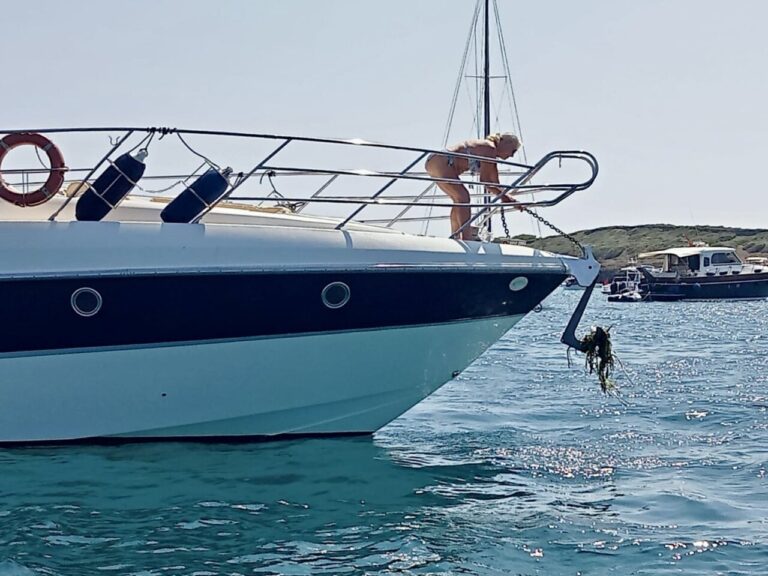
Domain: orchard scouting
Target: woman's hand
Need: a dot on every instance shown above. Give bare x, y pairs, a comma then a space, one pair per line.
506, 199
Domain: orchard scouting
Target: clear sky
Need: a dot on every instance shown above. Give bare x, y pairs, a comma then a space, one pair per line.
672, 97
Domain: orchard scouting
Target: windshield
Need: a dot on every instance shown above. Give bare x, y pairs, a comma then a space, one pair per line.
724, 258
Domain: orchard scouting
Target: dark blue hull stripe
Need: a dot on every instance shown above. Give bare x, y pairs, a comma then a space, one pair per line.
144, 310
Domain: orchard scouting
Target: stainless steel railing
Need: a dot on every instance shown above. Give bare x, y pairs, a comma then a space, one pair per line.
265, 166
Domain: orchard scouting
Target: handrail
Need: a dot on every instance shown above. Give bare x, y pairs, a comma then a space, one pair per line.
261, 136
522, 184
523, 189
405, 176
494, 202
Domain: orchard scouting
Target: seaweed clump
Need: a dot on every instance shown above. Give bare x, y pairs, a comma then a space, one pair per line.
600, 359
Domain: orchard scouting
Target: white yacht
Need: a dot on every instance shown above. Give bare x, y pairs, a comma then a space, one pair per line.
129, 318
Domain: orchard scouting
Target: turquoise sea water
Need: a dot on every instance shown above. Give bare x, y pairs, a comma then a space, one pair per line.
520, 466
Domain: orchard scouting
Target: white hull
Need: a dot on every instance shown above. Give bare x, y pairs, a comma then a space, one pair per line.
253, 322
316, 384
55, 248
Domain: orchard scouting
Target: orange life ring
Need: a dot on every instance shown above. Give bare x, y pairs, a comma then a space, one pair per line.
55, 176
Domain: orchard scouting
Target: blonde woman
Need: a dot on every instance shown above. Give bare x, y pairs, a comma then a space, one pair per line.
501, 146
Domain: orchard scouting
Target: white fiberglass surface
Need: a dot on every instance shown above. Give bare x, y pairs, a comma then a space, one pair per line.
34, 248
325, 383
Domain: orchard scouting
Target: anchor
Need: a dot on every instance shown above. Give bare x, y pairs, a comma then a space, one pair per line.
569, 337
586, 271
597, 344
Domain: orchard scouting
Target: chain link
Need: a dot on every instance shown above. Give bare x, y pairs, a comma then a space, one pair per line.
549, 224
504, 223
544, 221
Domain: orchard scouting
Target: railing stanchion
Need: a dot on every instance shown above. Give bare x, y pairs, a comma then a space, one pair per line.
117, 145
382, 189
242, 180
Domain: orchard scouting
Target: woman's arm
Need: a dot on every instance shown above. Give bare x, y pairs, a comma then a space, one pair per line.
490, 173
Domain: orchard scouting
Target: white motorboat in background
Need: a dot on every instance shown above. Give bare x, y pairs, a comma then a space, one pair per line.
757, 263
628, 279
702, 272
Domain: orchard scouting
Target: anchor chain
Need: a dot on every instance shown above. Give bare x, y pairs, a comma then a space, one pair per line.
504, 224
549, 224
544, 221
596, 345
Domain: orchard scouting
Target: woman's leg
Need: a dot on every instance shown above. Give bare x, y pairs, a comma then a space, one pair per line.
459, 214
438, 167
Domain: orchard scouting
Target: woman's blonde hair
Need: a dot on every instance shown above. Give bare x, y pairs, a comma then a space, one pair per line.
507, 136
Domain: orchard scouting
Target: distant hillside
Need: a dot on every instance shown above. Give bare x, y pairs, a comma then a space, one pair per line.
615, 245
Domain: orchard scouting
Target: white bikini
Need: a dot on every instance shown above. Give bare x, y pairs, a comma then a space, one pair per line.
473, 163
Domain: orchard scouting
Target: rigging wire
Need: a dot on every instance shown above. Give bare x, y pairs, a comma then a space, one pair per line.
478, 114
508, 77
25, 184
449, 123
171, 186
148, 139
454, 101
512, 99
39, 159
475, 118
478, 111
198, 154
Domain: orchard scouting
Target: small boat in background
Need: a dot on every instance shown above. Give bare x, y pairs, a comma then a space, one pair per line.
627, 296
703, 273
759, 263
627, 280
572, 284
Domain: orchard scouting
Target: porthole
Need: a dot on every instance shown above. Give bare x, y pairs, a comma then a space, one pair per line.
86, 302
518, 283
335, 295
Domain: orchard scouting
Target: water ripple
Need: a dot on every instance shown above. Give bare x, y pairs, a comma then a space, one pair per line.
519, 466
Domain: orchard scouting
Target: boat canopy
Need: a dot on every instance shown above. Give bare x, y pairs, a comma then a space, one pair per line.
686, 251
